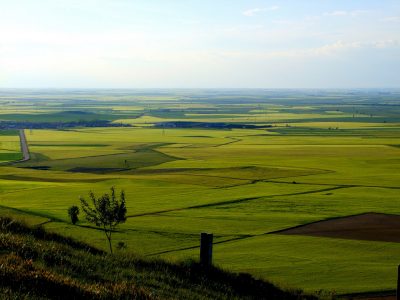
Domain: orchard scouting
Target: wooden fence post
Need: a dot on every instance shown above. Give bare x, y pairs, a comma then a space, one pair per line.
398, 283
206, 242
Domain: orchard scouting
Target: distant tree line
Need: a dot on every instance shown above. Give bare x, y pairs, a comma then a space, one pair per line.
217, 125
58, 125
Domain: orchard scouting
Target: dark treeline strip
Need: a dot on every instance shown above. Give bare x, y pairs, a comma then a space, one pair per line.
216, 125
58, 125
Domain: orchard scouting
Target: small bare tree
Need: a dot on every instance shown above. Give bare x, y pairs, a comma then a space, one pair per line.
107, 212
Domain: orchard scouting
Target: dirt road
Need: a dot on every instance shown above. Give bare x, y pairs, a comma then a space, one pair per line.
24, 146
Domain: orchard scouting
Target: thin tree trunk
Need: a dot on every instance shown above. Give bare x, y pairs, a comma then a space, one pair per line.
108, 235
109, 240
109, 243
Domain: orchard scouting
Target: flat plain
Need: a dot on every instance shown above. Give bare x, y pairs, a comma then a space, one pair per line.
244, 165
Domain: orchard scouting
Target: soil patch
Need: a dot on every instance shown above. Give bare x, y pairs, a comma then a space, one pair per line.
368, 226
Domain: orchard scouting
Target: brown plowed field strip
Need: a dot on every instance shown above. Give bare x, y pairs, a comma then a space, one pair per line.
368, 226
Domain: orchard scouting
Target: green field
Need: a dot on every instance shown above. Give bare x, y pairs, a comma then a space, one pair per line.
318, 156
9, 146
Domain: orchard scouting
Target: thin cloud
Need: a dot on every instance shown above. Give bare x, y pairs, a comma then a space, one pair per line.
337, 13
341, 13
253, 11
283, 22
335, 48
394, 19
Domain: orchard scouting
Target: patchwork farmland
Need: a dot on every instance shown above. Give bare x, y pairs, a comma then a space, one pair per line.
298, 187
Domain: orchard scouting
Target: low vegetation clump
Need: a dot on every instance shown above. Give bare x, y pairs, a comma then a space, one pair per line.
35, 264
73, 213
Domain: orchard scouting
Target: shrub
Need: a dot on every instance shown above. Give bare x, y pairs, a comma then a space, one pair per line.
73, 213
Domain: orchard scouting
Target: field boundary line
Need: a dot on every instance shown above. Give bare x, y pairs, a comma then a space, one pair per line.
233, 140
18, 210
198, 246
342, 185
263, 234
367, 295
240, 200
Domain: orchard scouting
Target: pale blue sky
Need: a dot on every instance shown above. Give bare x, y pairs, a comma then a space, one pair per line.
187, 43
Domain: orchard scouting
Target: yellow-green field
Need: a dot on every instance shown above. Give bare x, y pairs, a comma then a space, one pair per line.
240, 184
9, 146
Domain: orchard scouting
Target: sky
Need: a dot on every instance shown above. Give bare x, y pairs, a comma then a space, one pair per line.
199, 44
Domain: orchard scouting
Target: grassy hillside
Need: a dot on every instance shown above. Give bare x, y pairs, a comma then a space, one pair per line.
36, 264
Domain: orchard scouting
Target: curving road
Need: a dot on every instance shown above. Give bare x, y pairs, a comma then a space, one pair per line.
24, 146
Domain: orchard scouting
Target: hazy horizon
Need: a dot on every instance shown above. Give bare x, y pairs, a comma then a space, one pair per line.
209, 88
255, 44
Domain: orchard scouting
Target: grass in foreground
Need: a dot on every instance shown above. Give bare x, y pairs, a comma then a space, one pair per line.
36, 264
